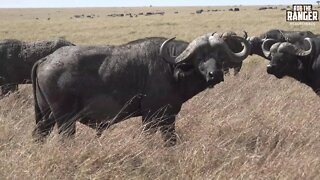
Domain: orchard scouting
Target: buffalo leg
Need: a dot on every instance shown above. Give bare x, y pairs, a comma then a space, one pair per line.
150, 125
43, 127
66, 125
101, 128
44, 117
67, 128
167, 128
162, 118
237, 69
65, 111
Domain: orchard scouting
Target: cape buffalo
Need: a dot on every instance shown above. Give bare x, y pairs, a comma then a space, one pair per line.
235, 46
294, 37
103, 85
17, 58
289, 59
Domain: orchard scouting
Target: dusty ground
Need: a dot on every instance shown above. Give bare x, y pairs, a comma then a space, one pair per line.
252, 126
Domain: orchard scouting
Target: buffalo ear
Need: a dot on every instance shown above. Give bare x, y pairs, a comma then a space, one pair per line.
183, 70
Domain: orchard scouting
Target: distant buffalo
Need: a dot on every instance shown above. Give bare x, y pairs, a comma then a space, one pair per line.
263, 8
199, 11
116, 15
104, 85
17, 58
154, 13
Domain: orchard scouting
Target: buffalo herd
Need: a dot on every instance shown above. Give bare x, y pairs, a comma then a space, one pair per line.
17, 58
151, 77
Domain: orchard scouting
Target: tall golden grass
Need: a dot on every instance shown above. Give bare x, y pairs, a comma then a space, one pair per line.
252, 126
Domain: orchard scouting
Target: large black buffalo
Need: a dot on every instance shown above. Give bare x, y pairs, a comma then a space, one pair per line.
17, 58
286, 51
103, 85
294, 37
300, 62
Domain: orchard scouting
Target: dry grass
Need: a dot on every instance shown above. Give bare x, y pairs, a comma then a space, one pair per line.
252, 126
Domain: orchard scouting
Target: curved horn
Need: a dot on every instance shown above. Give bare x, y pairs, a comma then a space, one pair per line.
164, 51
301, 52
306, 52
293, 49
191, 48
245, 34
254, 38
239, 56
228, 34
266, 46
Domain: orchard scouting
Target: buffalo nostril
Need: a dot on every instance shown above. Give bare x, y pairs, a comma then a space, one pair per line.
270, 69
270, 66
211, 74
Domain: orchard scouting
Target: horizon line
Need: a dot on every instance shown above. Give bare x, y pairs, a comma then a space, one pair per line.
70, 7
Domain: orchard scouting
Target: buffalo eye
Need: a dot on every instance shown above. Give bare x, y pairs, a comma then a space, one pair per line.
201, 65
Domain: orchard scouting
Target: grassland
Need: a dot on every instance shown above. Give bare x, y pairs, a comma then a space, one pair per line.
252, 126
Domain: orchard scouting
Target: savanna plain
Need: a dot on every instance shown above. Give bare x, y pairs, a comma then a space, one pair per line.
251, 126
